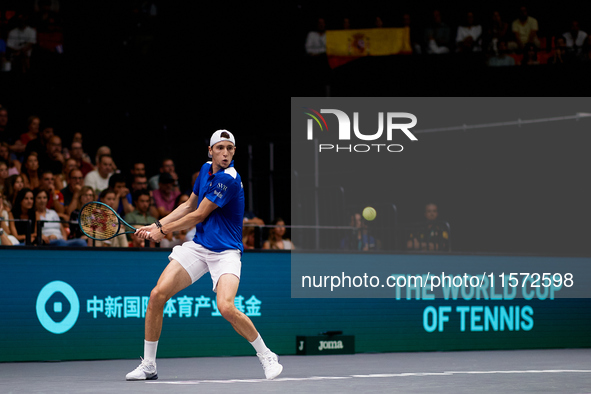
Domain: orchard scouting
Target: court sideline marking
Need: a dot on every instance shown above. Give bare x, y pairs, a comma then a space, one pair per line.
382, 375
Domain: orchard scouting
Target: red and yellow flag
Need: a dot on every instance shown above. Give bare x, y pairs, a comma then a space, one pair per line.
345, 45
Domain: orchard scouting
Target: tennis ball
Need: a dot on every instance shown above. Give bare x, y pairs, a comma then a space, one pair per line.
369, 213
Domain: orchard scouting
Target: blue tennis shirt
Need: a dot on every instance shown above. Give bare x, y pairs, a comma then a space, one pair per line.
222, 230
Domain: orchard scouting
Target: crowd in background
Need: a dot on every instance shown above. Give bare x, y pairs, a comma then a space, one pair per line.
46, 180
497, 39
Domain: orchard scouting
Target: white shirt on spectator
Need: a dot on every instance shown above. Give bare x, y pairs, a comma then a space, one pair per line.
96, 181
4, 215
18, 38
51, 228
473, 31
315, 43
579, 41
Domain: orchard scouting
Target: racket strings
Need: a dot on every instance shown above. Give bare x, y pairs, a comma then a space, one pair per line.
99, 221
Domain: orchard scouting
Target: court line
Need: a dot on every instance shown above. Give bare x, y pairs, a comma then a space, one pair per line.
381, 375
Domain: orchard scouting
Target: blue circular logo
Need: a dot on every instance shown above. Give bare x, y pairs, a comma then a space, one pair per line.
72, 316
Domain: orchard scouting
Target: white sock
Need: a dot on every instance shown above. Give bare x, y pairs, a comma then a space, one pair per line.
259, 345
150, 350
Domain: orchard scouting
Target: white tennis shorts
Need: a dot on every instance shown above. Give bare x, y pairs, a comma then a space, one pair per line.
197, 260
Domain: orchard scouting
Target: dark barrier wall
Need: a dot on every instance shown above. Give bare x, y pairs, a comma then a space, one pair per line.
68, 305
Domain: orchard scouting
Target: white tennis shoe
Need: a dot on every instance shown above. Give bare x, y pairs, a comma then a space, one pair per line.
270, 363
145, 371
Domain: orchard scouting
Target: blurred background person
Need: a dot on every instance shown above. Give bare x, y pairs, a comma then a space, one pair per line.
12, 185
6, 237
82, 198
176, 237
166, 195
108, 197
14, 166
99, 179
72, 191
32, 133
359, 238
23, 209
77, 153
30, 172
140, 216
276, 234
53, 233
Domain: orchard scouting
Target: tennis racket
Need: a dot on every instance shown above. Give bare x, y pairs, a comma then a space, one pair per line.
99, 221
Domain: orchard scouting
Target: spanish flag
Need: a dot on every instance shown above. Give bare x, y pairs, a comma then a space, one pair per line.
343, 46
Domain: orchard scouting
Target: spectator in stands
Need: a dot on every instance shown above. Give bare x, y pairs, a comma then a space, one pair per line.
77, 153
30, 172
40, 143
103, 150
99, 179
176, 237
276, 234
138, 169
141, 214
109, 197
430, 234
316, 40
3, 174
32, 133
248, 237
561, 53
82, 198
6, 237
140, 182
123, 203
78, 138
359, 239
575, 38
61, 179
530, 55
5, 132
165, 196
72, 192
497, 31
437, 35
55, 197
414, 41
14, 166
167, 165
525, 31
12, 185
20, 42
346, 23
53, 159
469, 36
501, 59
23, 209
53, 233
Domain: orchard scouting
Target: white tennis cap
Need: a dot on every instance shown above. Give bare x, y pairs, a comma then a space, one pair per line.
217, 137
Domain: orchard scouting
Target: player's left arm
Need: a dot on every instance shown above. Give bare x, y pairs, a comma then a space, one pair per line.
205, 208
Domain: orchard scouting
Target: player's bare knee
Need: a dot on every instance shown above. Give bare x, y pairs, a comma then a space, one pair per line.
157, 298
228, 311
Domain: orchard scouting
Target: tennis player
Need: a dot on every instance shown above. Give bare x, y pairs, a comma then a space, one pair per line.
216, 208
